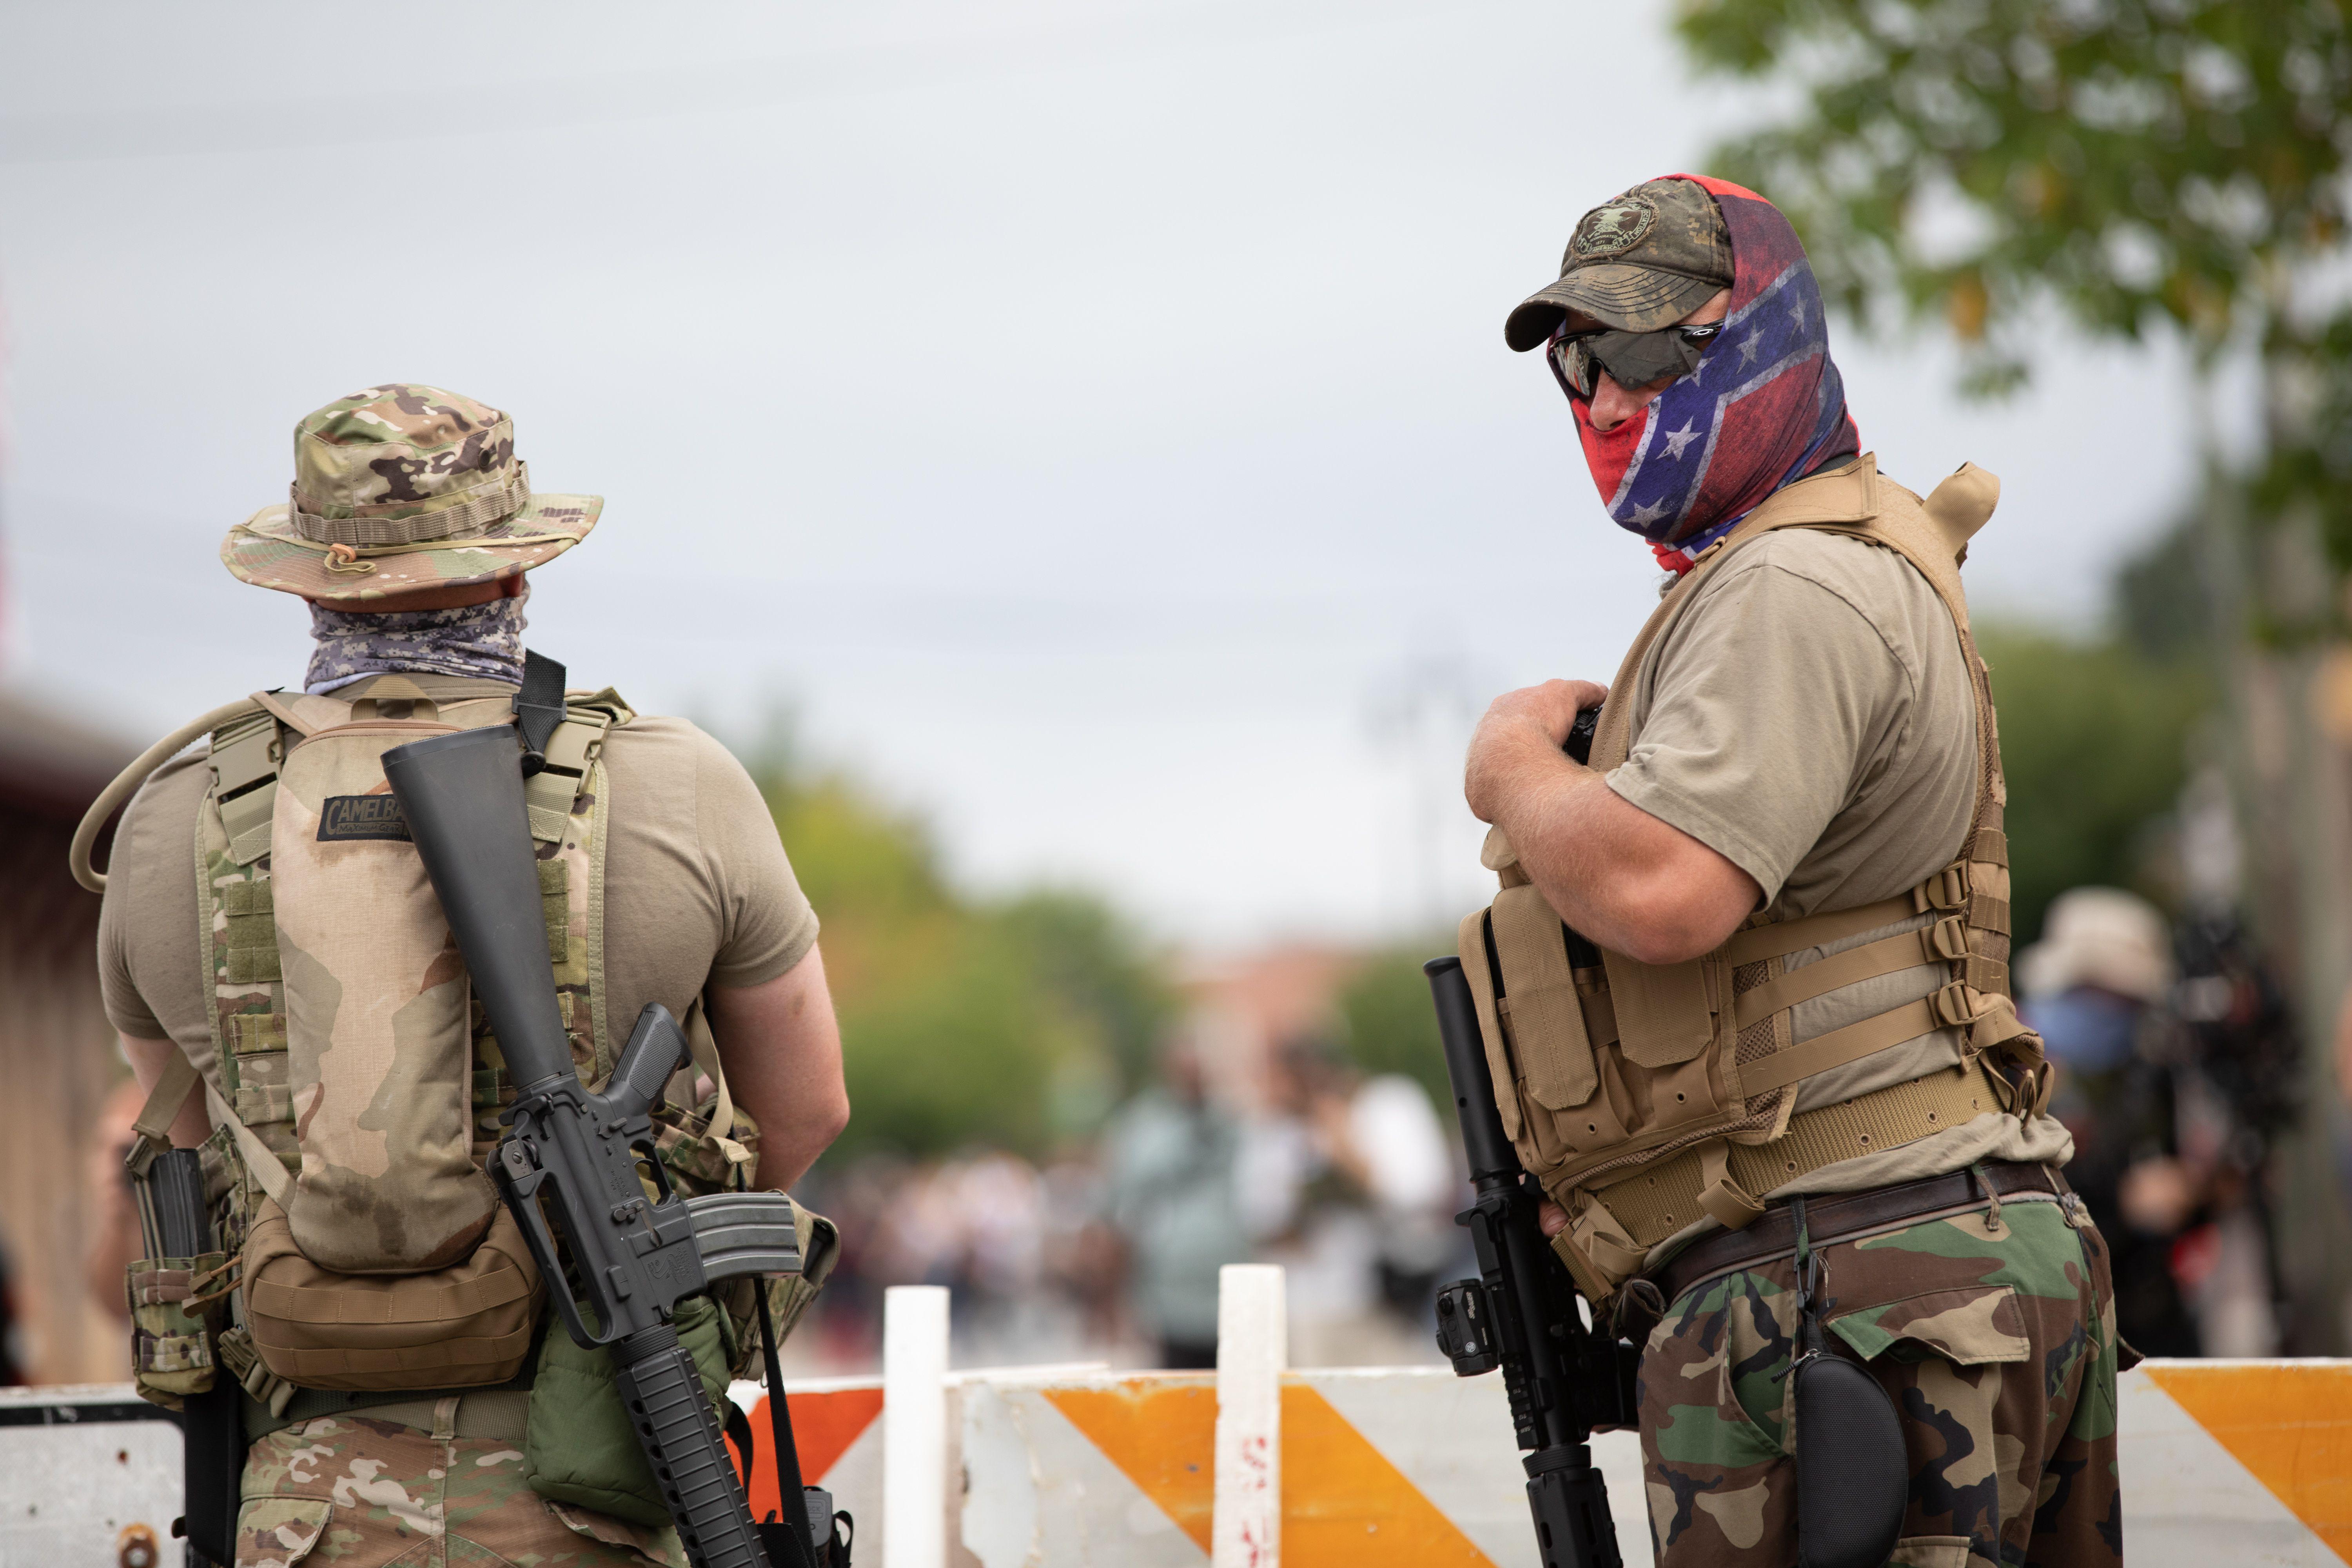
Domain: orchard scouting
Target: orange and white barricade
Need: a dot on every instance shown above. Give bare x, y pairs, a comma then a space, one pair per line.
2224, 1462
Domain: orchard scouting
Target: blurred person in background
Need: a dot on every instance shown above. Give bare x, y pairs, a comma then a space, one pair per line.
2239, 1068
2095, 986
1034, 1265
859, 1197
977, 1225
1169, 1159
1348, 1183
1083, 1255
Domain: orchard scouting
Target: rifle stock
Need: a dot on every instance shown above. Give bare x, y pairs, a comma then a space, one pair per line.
576, 1156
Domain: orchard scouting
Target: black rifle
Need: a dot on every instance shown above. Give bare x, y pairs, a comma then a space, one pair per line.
174, 1224
578, 1156
1521, 1314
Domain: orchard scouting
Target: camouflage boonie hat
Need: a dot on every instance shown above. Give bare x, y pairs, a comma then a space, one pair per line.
1637, 262
401, 487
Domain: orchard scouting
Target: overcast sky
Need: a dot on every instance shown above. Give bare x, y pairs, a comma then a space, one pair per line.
1093, 420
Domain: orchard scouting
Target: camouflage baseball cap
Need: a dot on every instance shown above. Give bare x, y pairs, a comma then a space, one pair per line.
1637, 262
401, 487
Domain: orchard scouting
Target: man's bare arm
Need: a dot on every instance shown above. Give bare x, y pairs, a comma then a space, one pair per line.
782, 1050
1624, 879
147, 1059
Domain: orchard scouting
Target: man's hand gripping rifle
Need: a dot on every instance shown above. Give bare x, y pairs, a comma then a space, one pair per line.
578, 1156
1522, 1314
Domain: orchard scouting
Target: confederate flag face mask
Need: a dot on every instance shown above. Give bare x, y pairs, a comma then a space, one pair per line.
1763, 406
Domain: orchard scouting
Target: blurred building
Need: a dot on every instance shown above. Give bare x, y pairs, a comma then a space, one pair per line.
57, 1057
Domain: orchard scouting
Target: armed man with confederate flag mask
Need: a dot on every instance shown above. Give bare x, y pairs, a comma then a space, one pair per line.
1744, 992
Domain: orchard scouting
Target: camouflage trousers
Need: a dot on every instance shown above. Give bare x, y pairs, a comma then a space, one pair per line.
357, 1493
1995, 1338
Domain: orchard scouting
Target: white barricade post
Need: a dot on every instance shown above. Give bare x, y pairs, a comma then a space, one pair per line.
1246, 1530
914, 1426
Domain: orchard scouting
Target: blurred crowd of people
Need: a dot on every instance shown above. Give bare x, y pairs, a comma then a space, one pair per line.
1111, 1253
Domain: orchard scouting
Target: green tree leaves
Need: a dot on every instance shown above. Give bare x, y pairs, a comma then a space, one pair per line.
1014, 1023
2131, 163
2093, 738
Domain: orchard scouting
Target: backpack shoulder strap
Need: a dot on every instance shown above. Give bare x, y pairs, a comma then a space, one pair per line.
152, 1130
150, 1134
244, 757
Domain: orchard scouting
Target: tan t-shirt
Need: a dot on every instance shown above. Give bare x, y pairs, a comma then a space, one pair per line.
1810, 716
698, 890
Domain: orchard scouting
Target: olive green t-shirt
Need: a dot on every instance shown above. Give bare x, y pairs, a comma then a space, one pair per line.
698, 890
1810, 716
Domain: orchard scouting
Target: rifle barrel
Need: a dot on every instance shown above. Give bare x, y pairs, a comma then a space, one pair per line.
1489, 1151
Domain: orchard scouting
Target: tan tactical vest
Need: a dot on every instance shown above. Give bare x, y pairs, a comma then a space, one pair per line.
1645, 1097
354, 1086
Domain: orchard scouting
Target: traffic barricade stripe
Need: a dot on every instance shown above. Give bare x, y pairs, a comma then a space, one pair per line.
2290, 1424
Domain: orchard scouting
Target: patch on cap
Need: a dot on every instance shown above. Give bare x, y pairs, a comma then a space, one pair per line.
1613, 229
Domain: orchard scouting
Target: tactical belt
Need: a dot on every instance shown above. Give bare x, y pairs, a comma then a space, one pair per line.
1830, 1219
496, 1412
1655, 1201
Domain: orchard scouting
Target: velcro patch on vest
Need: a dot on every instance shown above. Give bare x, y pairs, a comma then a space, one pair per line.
351, 818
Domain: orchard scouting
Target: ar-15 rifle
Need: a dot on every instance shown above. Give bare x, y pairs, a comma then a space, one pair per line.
578, 1156
1522, 1313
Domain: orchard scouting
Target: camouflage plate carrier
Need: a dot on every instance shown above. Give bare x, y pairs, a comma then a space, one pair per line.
354, 1089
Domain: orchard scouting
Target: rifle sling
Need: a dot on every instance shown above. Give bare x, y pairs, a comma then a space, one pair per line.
789, 1485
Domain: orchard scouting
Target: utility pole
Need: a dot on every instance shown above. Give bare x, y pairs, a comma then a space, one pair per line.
1424, 713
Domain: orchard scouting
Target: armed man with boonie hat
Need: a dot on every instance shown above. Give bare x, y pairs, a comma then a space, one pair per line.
1744, 991
293, 1004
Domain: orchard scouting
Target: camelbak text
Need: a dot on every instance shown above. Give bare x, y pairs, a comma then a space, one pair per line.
345, 817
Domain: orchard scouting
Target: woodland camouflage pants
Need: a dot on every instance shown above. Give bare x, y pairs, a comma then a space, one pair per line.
355, 1493
1994, 1333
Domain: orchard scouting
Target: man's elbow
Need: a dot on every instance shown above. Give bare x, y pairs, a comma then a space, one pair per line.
833, 1119
1674, 919
1664, 940
814, 1120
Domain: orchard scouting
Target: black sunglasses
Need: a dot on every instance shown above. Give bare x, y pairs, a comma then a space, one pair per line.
1630, 359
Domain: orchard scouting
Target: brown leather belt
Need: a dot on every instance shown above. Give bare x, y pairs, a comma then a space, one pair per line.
1839, 1216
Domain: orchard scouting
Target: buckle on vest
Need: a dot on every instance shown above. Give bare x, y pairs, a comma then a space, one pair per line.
1947, 889
1948, 939
143, 1153
1957, 1006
